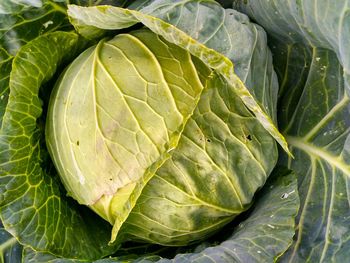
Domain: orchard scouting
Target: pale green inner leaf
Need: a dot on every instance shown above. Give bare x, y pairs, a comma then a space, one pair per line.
91, 22
124, 115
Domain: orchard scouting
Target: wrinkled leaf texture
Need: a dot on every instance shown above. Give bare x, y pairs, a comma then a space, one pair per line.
10, 249
310, 42
61, 202
31, 198
114, 18
15, 19
22, 21
92, 22
270, 222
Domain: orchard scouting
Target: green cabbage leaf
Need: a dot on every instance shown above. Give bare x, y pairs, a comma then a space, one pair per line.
310, 41
270, 220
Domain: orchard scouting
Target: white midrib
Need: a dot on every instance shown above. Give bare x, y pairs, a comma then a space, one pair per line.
314, 151
340, 105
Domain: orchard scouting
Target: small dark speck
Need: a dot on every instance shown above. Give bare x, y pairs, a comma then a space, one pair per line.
109, 57
208, 140
78, 143
249, 138
110, 179
231, 14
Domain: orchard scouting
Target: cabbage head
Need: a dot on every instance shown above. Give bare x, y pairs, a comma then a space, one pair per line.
126, 132
154, 141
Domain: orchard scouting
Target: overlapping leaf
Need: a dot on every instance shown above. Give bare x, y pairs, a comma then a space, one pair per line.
265, 234
312, 60
226, 31
262, 237
132, 115
33, 208
224, 155
315, 121
324, 24
37, 210
92, 22
10, 249
20, 23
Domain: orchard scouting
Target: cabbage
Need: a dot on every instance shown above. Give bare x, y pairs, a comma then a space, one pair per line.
126, 132
137, 113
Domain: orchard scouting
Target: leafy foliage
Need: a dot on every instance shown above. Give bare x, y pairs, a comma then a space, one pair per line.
269, 220
90, 22
31, 196
231, 112
15, 20
312, 61
22, 21
319, 140
10, 250
94, 21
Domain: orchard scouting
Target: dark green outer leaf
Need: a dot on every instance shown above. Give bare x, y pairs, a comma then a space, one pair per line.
263, 236
20, 23
5, 69
323, 24
30, 256
32, 206
315, 120
10, 249
314, 116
